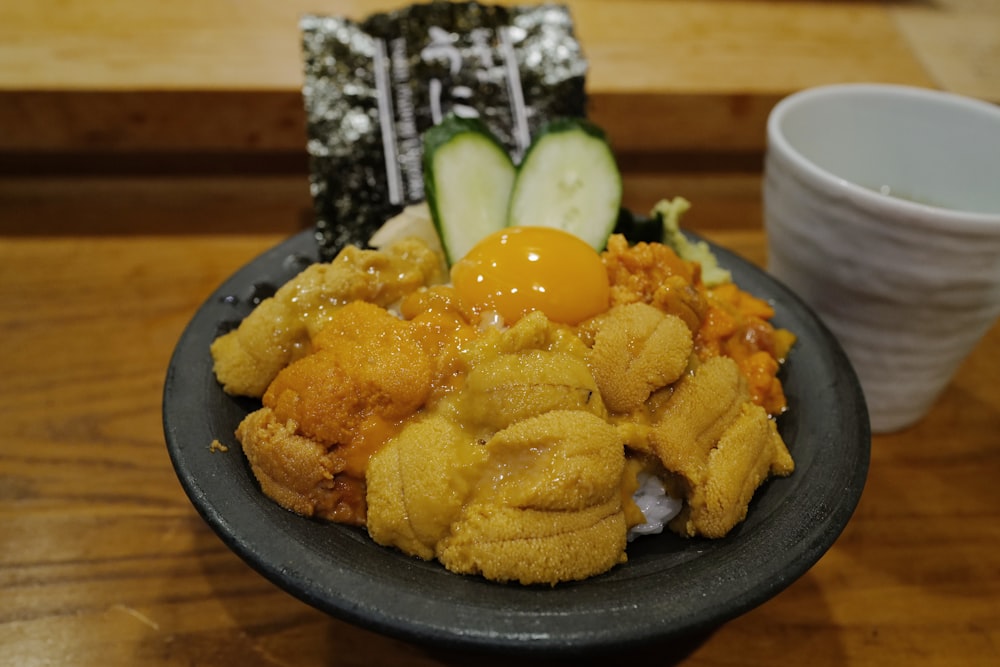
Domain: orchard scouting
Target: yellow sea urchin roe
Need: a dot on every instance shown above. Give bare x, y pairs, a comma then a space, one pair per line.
522, 269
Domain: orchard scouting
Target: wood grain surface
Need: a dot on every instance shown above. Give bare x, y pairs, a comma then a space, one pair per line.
117, 76
103, 561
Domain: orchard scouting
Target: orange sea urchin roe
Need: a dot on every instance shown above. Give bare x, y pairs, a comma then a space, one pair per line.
442, 328
737, 325
522, 269
653, 273
726, 320
367, 374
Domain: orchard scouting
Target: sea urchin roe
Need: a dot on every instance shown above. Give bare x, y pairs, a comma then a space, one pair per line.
279, 330
637, 350
726, 320
501, 450
516, 475
653, 273
442, 328
299, 473
366, 371
737, 325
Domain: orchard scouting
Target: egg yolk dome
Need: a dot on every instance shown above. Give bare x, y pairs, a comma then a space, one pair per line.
518, 270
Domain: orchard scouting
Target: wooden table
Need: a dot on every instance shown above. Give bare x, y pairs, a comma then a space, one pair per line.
120, 78
146, 153
103, 561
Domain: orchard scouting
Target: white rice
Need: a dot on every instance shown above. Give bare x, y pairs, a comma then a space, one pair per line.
657, 507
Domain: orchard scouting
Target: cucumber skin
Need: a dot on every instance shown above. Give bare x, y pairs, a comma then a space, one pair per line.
434, 138
573, 125
450, 126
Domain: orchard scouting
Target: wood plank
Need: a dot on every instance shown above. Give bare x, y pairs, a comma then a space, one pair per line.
645, 45
119, 76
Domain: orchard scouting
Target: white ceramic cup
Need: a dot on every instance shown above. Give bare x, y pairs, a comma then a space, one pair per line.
907, 283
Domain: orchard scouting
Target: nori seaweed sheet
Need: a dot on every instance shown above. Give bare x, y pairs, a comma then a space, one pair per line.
373, 87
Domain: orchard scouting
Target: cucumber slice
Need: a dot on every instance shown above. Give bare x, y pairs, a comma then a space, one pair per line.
569, 179
468, 176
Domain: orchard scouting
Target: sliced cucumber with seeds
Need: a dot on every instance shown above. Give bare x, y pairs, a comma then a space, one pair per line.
569, 179
468, 176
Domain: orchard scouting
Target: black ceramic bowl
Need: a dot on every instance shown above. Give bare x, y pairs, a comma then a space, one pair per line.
671, 588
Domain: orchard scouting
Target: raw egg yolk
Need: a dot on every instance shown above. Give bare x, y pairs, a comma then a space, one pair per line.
521, 269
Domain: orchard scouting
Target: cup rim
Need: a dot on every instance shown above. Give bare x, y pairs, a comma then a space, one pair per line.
973, 221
